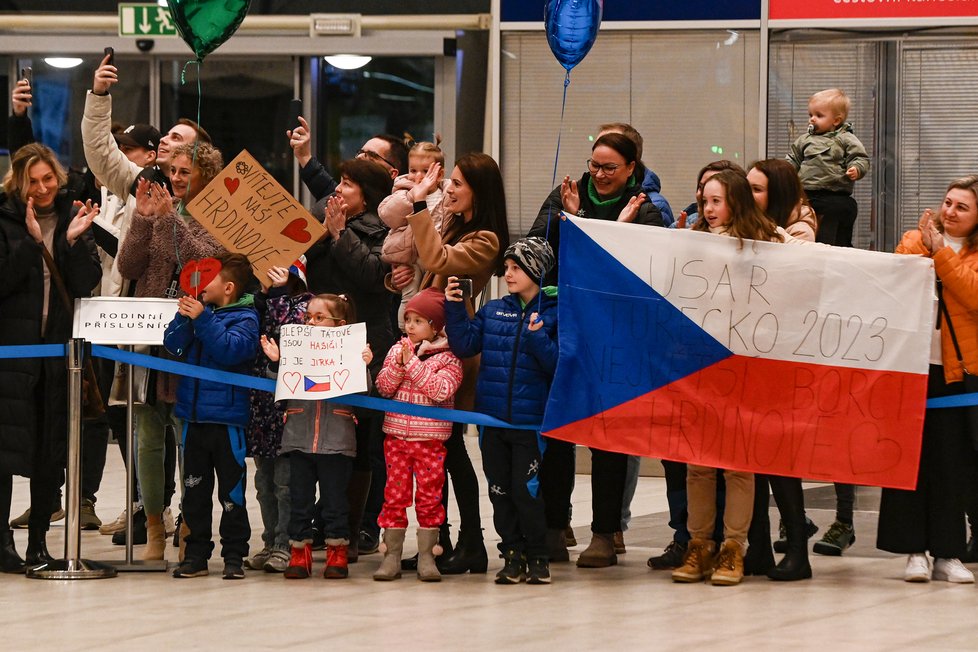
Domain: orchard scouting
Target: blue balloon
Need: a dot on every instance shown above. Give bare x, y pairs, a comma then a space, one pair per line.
572, 27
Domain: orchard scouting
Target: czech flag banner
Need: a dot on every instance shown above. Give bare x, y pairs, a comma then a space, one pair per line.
789, 359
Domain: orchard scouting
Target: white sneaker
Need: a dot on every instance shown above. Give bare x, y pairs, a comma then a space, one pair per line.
918, 568
168, 523
952, 570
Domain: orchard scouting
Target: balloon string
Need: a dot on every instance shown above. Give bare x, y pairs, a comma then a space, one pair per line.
193, 157
553, 181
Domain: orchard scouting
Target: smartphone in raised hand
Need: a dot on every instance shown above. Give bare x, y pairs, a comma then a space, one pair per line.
295, 110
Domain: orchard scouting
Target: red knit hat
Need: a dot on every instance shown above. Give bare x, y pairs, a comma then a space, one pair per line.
430, 304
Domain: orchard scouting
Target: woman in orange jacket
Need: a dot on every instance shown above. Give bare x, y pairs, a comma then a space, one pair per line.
931, 517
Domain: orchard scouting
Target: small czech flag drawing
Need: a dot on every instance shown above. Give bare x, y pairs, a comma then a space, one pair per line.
316, 383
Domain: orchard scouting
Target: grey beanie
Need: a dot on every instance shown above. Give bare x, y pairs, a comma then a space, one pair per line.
534, 256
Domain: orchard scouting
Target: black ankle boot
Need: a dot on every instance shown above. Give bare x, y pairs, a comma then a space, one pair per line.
37, 548
793, 566
758, 560
10, 561
469, 555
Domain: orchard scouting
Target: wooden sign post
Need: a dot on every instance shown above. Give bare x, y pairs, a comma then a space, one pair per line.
249, 212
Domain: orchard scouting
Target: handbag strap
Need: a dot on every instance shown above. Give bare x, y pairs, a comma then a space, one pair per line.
950, 325
59, 282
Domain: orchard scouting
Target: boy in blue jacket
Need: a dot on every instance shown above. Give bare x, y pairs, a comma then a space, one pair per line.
219, 331
517, 337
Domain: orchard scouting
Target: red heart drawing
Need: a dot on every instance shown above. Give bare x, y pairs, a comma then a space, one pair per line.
296, 230
196, 274
291, 380
340, 377
231, 184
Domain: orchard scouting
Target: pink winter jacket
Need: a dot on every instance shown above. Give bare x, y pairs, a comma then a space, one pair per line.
399, 246
431, 377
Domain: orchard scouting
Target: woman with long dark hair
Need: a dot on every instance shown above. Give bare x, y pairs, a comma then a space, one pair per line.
471, 244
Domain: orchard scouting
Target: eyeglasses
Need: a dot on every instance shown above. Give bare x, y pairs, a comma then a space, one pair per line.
366, 153
310, 318
608, 168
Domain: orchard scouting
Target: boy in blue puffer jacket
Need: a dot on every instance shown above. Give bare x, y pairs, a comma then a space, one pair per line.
517, 337
219, 331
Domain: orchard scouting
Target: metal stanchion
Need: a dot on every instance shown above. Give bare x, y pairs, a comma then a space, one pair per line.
130, 564
72, 567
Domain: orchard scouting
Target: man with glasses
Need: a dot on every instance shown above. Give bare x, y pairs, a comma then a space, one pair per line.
384, 149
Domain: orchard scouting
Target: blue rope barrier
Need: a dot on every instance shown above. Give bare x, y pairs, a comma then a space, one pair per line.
32, 351
356, 400
268, 385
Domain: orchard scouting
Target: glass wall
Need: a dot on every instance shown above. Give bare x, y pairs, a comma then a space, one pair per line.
241, 103
59, 101
389, 95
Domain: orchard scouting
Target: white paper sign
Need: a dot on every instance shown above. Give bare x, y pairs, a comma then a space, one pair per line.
320, 362
122, 320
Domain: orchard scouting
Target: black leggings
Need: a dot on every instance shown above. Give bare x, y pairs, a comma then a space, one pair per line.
464, 481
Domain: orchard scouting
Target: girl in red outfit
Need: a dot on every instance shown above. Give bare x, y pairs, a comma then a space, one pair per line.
419, 369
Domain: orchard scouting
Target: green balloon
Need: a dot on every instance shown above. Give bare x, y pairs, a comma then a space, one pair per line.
206, 24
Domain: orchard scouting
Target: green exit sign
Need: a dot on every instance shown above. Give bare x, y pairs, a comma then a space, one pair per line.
145, 20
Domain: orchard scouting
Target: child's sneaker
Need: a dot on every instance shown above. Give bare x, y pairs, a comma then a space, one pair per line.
538, 571
300, 561
191, 568
233, 570
838, 537
257, 560
336, 561
514, 569
277, 561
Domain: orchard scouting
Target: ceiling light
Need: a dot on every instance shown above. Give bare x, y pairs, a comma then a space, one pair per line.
63, 62
347, 61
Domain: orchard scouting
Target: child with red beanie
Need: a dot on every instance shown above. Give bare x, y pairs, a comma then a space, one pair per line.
419, 369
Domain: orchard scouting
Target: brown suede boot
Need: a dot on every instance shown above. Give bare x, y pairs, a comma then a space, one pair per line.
697, 562
392, 547
730, 564
427, 549
155, 538
600, 553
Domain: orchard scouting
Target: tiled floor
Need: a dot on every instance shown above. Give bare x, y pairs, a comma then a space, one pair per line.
855, 602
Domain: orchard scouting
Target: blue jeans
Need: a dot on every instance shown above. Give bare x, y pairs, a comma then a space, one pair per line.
272, 487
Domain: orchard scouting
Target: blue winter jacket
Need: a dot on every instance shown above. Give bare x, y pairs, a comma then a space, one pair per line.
517, 364
223, 338
652, 187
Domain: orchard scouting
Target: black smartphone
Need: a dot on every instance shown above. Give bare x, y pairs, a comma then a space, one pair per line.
28, 74
110, 52
465, 285
295, 110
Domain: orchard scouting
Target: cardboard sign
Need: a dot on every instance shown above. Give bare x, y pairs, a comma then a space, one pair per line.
321, 362
786, 359
249, 212
122, 320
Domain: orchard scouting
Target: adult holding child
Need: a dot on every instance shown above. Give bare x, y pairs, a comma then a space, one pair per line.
159, 243
38, 213
930, 518
470, 245
347, 261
